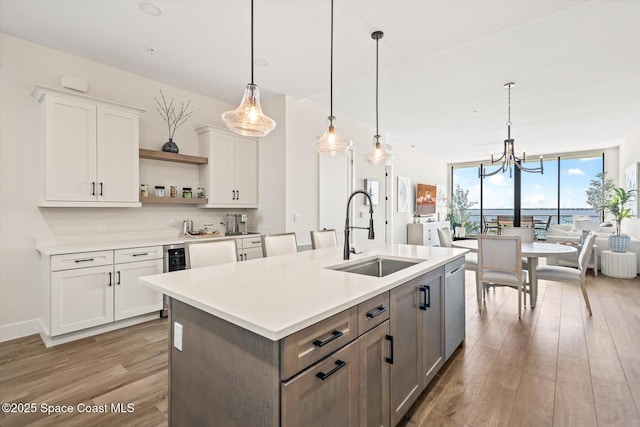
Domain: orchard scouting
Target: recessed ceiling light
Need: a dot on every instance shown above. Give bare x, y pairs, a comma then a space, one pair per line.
150, 8
261, 62
151, 51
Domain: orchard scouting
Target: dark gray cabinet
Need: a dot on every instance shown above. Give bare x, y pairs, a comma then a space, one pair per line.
326, 394
375, 358
415, 323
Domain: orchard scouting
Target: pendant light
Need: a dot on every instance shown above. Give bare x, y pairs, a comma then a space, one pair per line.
332, 142
378, 154
509, 157
248, 119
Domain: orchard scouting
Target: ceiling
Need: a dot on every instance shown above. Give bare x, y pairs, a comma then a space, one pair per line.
443, 64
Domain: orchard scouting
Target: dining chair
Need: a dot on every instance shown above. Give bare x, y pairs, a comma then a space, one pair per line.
527, 235
526, 221
499, 264
490, 224
205, 254
279, 244
557, 273
323, 239
504, 221
470, 259
541, 228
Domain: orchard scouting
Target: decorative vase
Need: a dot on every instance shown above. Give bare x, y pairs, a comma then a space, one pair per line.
619, 243
170, 146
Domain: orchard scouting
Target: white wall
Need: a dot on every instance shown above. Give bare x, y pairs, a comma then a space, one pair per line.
306, 122
630, 153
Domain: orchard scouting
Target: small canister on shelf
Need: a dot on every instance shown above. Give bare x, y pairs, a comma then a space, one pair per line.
200, 193
159, 190
173, 191
144, 190
186, 192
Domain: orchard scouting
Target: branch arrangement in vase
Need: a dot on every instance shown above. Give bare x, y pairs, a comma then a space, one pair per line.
174, 119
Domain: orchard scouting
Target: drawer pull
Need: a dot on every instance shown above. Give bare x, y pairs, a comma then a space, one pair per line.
451, 273
339, 365
85, 260
377, 313
389, 359
142, 254
254, 241
334, 335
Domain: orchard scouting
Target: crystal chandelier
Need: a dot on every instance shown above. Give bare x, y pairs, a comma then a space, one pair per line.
248, 119
331, 142
378, 154
509, 157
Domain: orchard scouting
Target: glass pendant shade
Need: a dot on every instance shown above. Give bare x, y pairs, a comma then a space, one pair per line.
378, 154
332, 142
248, 119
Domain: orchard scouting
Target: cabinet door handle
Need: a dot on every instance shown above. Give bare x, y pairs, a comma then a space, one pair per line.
85, 260
334, 335
389, 360
376, 313
109, 278
451, 273
238, 194
234, 194
118, 282
101, 189
426, 300
93, 188
339, 365
141, 254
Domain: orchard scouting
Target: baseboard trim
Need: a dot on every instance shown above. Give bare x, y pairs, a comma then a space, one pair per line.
18, 330
50, 341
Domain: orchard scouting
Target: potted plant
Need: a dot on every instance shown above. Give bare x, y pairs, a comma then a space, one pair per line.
616, 206
173, 118
457, 210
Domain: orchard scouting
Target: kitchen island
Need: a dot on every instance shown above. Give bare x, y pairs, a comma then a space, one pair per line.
288, 340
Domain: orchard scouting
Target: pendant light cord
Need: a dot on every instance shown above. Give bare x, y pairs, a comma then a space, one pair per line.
251, 41
377, 132
331, 71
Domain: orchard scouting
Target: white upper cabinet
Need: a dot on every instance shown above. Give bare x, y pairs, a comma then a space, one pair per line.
90, 151
231, 176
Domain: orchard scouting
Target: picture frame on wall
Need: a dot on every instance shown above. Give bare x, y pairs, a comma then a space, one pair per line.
631, 183
426, 195
372, 187
404, 191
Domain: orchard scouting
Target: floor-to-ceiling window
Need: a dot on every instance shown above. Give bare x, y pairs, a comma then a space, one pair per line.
554, 197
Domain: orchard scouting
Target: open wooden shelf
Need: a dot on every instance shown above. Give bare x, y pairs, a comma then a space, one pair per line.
172, 157
174, 200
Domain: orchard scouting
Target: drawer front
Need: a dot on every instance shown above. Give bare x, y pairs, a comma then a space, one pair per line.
250, 242
138, 254
81, 260
325, 394
306, 347
373, 312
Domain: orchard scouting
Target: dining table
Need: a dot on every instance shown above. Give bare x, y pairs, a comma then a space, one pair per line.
532, 251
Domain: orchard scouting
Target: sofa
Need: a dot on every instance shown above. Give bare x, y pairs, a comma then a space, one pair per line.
566, 233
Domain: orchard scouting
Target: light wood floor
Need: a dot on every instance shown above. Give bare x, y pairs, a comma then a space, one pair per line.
556, 367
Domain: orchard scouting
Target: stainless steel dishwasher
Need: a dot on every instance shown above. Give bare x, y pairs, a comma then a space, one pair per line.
454, 302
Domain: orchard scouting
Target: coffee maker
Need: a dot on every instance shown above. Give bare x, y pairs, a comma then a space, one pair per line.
236, 224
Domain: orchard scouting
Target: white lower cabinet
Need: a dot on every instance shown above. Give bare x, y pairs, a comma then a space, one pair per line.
81, 298
87, 289
249, 248
132, 298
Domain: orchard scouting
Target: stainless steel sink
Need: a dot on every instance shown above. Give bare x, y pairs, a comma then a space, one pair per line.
378, 266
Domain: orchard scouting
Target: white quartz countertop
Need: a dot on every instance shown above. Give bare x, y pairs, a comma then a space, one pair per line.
277, 296
133, 242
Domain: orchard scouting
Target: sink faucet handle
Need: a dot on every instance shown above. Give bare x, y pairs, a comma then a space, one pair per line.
353, 251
